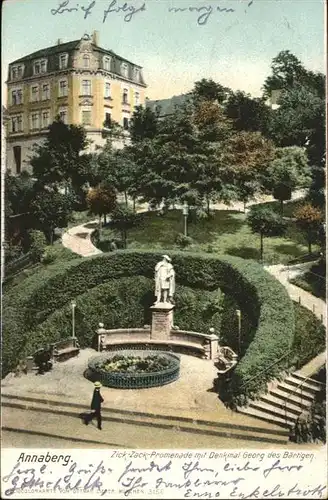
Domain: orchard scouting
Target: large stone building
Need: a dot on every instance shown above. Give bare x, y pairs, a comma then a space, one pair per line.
80, 81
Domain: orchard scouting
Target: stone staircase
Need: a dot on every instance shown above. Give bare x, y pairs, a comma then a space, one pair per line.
59, 418
285, 400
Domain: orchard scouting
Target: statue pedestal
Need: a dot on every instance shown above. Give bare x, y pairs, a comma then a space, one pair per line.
162, 321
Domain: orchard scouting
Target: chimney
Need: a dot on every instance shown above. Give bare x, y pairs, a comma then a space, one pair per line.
95, 38
59, 41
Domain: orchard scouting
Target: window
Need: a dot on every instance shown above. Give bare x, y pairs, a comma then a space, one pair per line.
136, 99
35, 121
63, 60
86, 61
137, 74
108, 120
16, 72
107, 89
45, 91
86, 87
17, 150
35, 93
126, 123
107, 61
63, 115
40, 67
125, 96
63, 88
17, 96
86, 117
124, 69
43, 66
45, 118
17, 123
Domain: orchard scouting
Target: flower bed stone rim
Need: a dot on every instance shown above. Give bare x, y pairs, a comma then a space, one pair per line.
135, 380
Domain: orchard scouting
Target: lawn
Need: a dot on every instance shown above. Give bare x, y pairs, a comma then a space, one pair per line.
314, 280
226, 232
289, 206
78, 218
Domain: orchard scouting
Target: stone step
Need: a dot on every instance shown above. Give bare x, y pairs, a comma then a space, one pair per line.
269, 409
31, 429
201, 427
304, 394
294, 399
262, 415
280, 403
297, 383
310, 381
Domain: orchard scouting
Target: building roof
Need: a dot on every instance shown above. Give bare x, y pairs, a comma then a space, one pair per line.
66, 47
55, 49
51, 54
167, 106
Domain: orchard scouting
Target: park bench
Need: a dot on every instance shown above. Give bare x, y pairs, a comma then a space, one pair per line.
180, 346
65, 349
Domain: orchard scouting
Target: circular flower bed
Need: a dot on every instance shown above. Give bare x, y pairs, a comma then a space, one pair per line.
135, 369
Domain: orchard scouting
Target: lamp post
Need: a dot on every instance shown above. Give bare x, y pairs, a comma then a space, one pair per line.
185, 210
73, 305
238, 312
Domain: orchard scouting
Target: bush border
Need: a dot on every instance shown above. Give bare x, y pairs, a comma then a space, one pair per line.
265, 299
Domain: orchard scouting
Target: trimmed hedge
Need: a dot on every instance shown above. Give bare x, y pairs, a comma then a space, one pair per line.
125, 303
309, 339
259, 295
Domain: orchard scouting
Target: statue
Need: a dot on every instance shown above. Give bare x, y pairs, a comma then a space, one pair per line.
164, 281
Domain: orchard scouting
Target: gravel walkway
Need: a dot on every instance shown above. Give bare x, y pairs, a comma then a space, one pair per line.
306, 299
192, 391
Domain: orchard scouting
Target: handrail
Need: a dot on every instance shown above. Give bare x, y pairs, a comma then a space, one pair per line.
300, 385
265, 369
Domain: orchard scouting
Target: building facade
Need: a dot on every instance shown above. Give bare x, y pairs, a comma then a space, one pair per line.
79, 81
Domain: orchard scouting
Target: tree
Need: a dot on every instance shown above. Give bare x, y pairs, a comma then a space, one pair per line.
116, 168
309, 220
300, 119
247, 156
213, 131
208, 90
51, 209
166, 165
101, 200
143, 124
265, 222
59, 162
19, 191
289, 170
247, 113
123, 218
287, 70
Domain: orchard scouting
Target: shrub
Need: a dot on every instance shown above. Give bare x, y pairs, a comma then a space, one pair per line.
38, 243
259, 295
311, 425
183, 241
124, 303
49, 256
309, 339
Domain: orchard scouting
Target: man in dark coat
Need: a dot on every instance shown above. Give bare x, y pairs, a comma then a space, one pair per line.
97, 399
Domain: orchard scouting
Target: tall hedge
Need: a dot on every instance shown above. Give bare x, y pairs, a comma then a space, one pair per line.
125, 303
259, 295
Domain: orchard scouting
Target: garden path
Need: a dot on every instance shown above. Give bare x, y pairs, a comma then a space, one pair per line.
78, 239
306, 299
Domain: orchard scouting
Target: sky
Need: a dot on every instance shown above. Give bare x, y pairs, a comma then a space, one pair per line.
230, 41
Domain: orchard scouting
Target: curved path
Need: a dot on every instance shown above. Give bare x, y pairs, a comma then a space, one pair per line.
306, 299
78, 239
